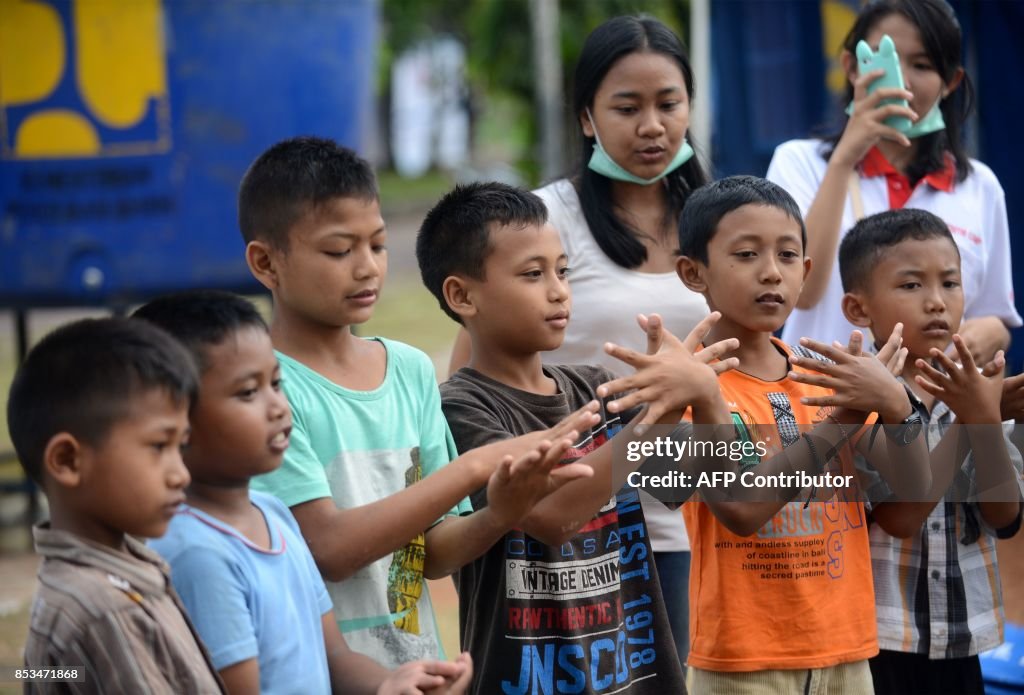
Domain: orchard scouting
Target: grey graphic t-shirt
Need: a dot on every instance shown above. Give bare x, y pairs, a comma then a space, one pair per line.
585, 617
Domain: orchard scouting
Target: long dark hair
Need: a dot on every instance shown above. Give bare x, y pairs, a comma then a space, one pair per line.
606, 45
940, 35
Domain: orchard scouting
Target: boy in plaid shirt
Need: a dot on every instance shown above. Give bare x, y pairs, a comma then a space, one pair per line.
937, 591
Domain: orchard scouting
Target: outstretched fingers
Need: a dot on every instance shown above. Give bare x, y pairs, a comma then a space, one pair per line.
898, 361
834, 400
633, 358
931, 387
695, 337
619, 385
579, 421
935, 375
823, 380
953, 370
504, 469
813, 364
632, 400
544, 459
856, 343
966, 358
652, 326
835, 354
892, 344
571, 471
722, 366
715, 351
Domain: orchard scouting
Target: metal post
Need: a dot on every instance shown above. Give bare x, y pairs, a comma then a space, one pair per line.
547, 71
700, 59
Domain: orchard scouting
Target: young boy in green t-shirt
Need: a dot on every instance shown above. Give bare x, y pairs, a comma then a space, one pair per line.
367, 472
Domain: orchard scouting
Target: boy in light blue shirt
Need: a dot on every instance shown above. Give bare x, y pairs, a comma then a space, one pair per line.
237, 557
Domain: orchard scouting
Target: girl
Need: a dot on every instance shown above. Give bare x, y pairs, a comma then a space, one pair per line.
870, 167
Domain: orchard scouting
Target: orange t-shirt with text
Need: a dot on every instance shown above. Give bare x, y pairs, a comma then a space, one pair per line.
797, 594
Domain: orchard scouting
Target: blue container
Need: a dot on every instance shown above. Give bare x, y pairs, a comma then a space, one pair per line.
125, 129
1003, 667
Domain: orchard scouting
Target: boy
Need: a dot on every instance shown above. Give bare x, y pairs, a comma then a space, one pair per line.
237, 558
568, 601
98, 413
365, 472
790, 610
937, 587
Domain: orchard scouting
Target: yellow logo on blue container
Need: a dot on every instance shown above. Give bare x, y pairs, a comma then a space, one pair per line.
82, 79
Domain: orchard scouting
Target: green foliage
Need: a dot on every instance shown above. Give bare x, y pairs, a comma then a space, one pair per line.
499, 41
497, 32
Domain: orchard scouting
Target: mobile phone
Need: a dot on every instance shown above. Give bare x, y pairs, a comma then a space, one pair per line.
884, 59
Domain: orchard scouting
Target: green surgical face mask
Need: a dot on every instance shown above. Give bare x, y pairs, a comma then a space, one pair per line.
602, 163
930, 123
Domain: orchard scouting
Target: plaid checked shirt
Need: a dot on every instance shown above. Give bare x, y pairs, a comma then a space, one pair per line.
938, 593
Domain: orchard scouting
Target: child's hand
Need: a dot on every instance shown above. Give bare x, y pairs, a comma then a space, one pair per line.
518, 484
984, 337
651, 325
1011, 405
973, 395
427, 677
892, 354
483, 460
460, 684
675, 377
859, 381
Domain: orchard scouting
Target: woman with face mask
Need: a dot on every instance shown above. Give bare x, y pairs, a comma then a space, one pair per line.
871, 166
617, 218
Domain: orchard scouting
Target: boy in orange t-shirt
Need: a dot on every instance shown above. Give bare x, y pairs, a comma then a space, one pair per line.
781, 595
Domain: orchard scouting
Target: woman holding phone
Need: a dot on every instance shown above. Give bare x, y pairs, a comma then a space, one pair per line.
870, 167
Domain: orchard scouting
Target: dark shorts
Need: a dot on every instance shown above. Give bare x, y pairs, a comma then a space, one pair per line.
898, 673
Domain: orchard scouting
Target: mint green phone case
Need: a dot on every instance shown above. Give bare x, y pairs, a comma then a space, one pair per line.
885, 59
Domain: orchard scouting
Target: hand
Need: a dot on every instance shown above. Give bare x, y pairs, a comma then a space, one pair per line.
675, 377
652, 327
460, 684
974, 396
984, 336
860, 382
483, 461
1011, 404
426, 677
518, 484
866, 126
892, 354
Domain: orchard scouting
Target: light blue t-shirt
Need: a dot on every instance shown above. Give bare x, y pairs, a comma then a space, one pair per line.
249, 602
358, 447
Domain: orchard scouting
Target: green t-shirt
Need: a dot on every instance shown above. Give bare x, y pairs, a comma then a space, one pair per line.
358, 447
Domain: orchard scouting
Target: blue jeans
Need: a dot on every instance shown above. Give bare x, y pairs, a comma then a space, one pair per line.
674, 577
